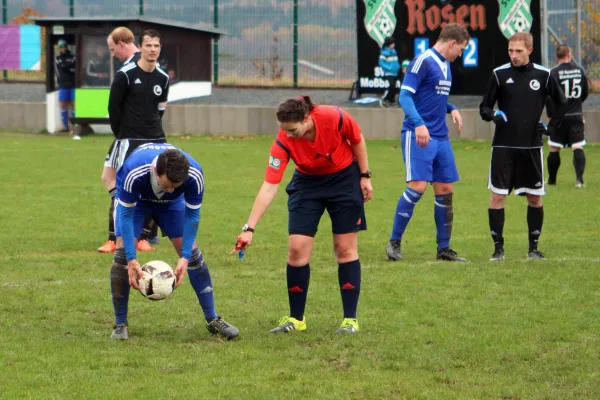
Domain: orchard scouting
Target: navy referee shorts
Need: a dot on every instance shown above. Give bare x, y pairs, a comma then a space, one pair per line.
339, 193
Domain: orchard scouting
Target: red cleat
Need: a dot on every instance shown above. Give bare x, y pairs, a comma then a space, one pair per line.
108, 247
143, 245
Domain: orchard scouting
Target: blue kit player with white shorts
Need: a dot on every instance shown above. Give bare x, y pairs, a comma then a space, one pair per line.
168, 184
426, 148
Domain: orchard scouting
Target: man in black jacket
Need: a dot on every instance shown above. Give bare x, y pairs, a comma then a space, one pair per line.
65, 74
121, 43
566, 127
137, 102
138, 98
520, 88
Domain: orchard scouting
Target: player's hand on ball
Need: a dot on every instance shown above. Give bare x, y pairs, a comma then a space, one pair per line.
135, 273
422, 136
180, 270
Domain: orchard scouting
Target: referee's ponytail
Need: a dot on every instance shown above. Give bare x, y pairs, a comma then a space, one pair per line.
295, 109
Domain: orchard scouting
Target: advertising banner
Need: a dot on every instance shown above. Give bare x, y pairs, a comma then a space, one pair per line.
416, 24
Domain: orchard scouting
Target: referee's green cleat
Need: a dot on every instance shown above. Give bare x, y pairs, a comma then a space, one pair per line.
349, 325
287, 324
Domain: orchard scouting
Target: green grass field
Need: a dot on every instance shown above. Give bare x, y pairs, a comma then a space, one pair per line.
429, 330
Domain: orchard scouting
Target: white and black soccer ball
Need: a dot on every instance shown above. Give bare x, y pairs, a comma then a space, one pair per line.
158, 280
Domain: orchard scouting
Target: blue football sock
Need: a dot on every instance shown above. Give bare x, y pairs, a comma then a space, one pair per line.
119, 286
404, 212
64, 116
443, 219
349, 279
202, 284
298, 279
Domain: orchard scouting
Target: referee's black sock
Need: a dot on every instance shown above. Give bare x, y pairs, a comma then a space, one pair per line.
349, 279
298, 279
496, 217
111, 218
553, 166
535, 220
579, 163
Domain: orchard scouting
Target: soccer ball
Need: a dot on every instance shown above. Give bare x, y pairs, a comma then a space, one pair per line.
158, 280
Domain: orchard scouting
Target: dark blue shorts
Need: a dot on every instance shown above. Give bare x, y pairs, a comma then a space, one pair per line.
339, 193
66, 95
169, 217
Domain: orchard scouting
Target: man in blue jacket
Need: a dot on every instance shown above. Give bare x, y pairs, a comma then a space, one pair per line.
388, 61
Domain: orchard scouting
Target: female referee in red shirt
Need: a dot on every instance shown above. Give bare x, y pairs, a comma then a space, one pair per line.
332, 172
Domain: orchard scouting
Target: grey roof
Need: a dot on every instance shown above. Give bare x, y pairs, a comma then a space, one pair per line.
200, 27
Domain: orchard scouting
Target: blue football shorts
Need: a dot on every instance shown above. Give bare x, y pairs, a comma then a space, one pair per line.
66, 95
169, 217
433, 163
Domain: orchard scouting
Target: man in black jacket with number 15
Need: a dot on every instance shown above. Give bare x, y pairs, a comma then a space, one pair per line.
520, 88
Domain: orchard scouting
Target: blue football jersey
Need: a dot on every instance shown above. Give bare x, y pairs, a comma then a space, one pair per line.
136, 179
429, 78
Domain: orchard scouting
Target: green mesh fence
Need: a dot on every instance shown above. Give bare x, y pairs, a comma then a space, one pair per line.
258, 49
327, 43
179, 10
563, 22
94, 8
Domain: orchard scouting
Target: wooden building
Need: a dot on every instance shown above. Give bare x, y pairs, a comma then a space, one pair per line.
186, 47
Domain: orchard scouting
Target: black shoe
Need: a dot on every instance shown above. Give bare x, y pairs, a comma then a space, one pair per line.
393, 250
448, 254
535, 254
551, 181
498, 255
219, 326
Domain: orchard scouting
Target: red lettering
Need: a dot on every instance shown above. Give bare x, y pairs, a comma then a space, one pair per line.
416, 21
447, 15
461, 13
421, 20
478, 18
433, 17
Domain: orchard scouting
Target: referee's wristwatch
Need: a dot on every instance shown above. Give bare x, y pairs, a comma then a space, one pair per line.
247, 228
366, 174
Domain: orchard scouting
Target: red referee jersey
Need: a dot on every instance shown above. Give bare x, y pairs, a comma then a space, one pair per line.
329, 153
